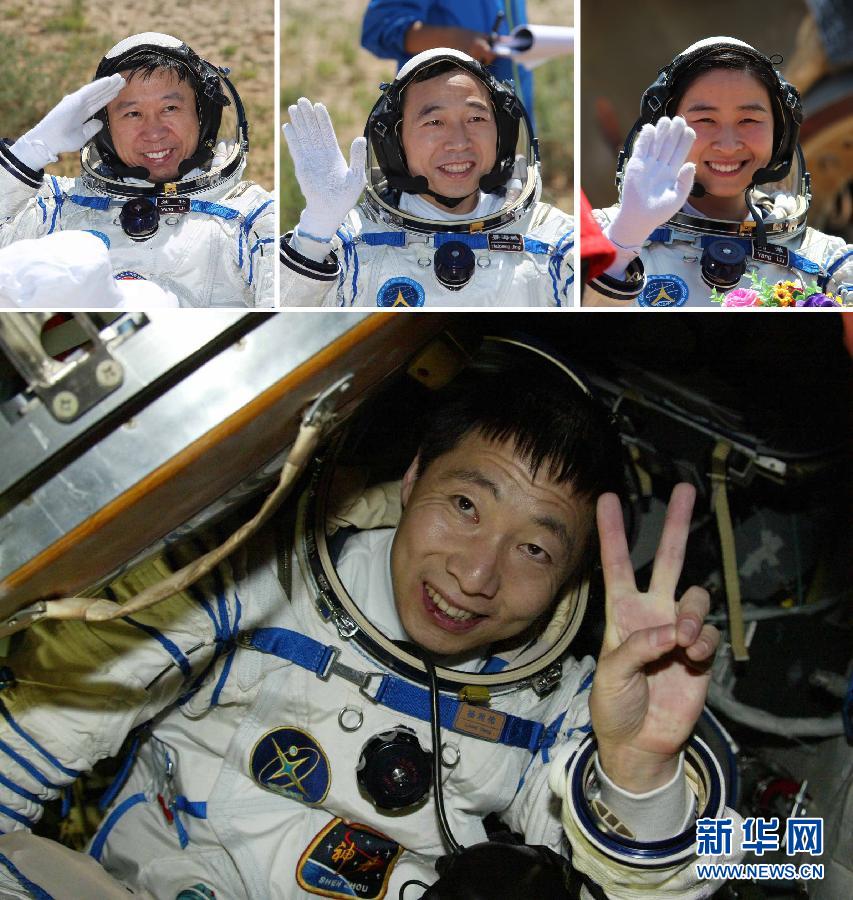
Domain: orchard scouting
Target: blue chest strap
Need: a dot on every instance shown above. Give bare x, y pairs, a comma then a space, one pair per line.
202, 206
388, 690
478, 241
796, 260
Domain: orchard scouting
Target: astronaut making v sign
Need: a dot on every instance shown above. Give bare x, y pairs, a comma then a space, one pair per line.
654, 667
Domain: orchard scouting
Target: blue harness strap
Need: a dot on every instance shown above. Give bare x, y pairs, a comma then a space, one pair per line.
480, 241
196, 809
214, 209
796, 260
804, 264
392, 692
384, 238
101, 203
477, 241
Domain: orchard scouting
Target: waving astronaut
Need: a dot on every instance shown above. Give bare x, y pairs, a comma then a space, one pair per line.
163, 140
282, 709
451, 214
713, 188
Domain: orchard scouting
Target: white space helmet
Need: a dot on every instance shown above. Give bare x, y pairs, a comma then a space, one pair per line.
516, 168
215, 96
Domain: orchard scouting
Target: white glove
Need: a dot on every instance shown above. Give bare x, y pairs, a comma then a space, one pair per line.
656, 184
67, 127
329, 187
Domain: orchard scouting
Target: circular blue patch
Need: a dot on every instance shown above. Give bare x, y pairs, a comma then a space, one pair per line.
664, 290
400, 291
290, 762
129, 276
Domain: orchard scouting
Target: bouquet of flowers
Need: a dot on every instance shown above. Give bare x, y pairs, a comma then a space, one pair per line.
782, 293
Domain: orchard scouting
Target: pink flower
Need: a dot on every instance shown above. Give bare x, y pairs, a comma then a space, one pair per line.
742, 297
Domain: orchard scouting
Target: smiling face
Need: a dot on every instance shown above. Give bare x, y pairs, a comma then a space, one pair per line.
154, 124
483, 548
449, 135
732, 115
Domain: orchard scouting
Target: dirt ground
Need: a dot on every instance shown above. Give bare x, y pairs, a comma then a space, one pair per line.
52, 47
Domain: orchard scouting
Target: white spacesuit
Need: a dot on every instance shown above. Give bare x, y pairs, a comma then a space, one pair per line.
206, 236
396, 248
672, 254
274, 706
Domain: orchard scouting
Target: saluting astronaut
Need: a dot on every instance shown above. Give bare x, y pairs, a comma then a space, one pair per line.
451, 214
160, 181
713, 188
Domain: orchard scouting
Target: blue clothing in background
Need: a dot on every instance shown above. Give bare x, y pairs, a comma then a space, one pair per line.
386, 22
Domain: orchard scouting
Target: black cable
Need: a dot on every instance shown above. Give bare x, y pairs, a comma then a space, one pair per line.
410, 882
435, 727
760, 231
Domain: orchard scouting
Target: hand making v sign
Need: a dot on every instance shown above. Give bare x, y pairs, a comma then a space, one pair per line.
654, 666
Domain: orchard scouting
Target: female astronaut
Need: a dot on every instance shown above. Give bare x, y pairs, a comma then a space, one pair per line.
713, 189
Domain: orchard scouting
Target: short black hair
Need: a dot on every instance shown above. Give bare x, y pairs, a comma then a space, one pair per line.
149, 61
429, 72
729, 58
513, 393
440, 68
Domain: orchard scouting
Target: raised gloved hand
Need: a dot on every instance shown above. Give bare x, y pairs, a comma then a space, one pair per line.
330, 188
656, 184
655, 663
69, 125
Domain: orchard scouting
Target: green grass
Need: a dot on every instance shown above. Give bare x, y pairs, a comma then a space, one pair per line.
72, 20
34, 80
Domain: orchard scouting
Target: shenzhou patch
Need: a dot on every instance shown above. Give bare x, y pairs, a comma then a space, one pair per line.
348, 860
129, 276
400, 291
664, 290
290, 762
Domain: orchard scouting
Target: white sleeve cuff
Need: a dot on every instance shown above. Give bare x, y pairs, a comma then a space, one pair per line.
624, 257
654, 816
311, 247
